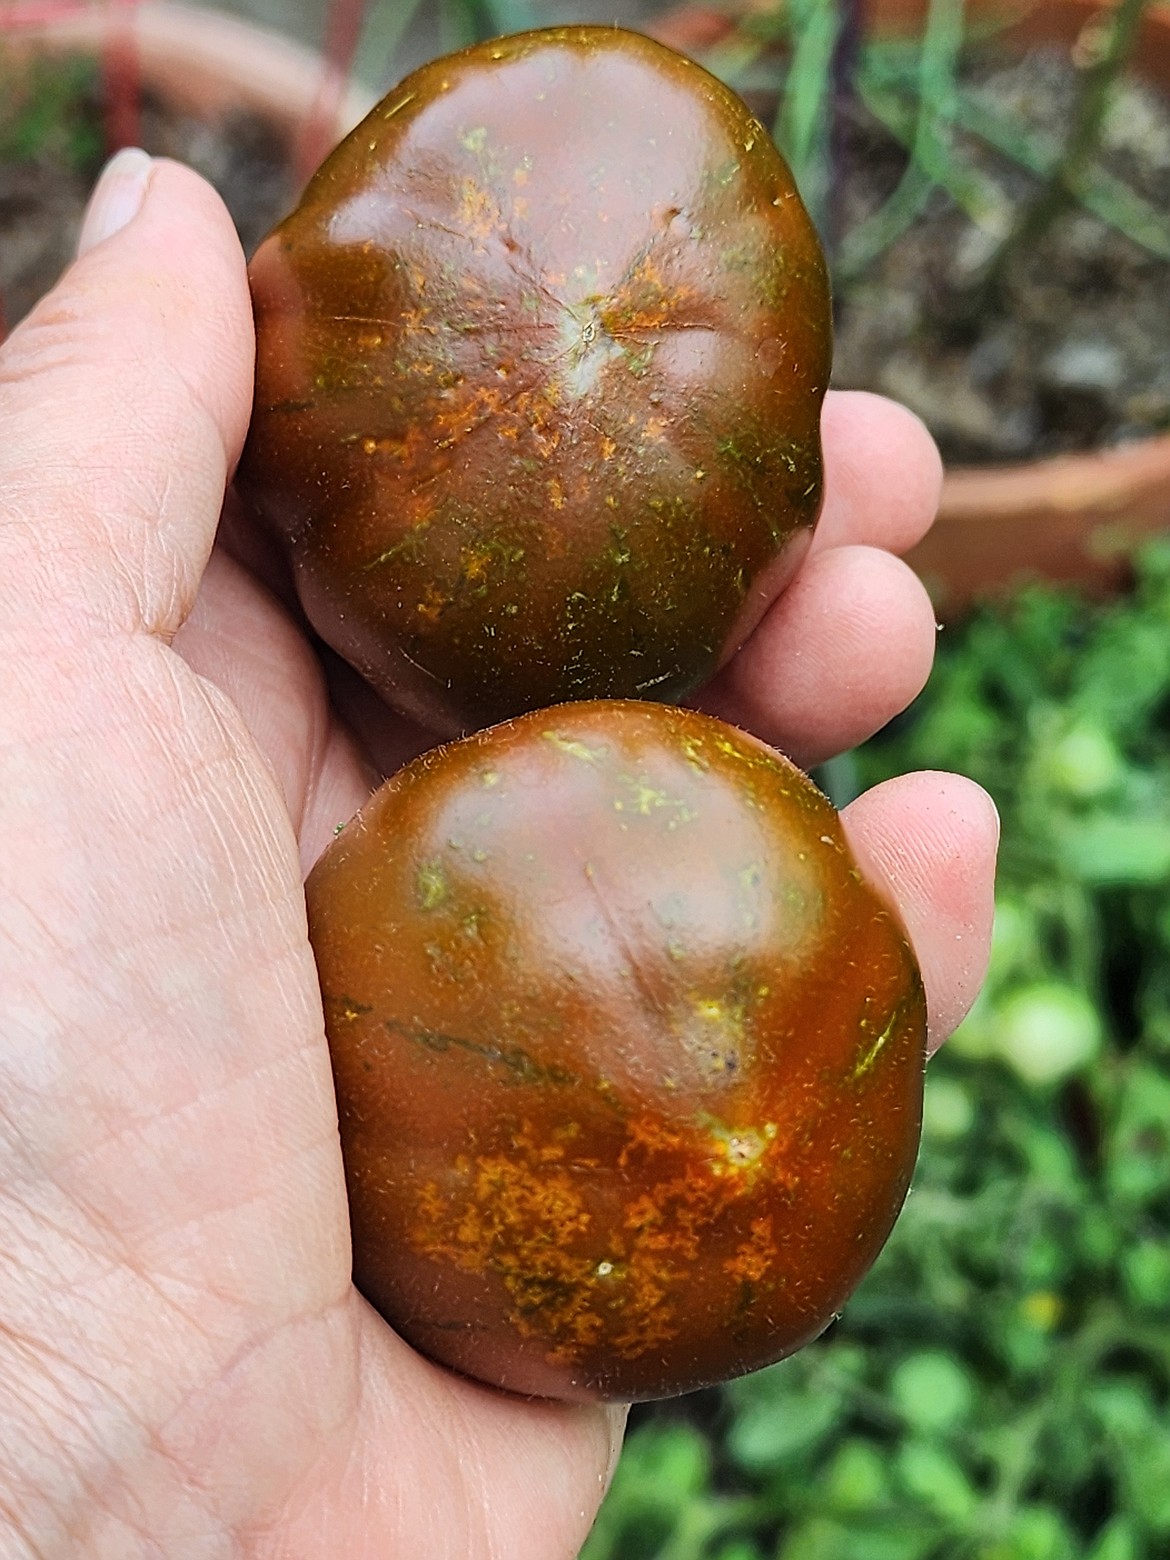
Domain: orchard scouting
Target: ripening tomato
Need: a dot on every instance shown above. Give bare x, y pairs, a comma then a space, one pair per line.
540, 362
629, 1057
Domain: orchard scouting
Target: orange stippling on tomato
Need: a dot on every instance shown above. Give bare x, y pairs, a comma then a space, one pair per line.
540, 362
629, 1056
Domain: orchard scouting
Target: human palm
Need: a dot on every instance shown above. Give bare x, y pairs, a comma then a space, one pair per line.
185, 1368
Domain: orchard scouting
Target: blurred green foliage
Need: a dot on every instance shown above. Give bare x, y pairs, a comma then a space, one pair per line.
998, 1388
47, 112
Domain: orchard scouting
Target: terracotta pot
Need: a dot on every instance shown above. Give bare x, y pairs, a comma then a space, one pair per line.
208, 63
1072, 518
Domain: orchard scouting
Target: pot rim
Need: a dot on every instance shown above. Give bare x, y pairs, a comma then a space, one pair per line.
210, 62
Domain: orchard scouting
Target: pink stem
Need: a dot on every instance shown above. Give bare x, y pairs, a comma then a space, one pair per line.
121, 77
343, 29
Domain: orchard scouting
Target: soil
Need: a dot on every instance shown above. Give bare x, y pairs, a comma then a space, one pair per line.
43, 195
1075, 354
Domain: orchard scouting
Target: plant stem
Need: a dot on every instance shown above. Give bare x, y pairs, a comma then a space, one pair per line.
843, 70
801, 129
1100, 192
930, 149
1072, 167
122, 94
343, 29
385, 28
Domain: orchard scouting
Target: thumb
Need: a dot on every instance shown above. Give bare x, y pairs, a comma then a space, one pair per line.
124, 398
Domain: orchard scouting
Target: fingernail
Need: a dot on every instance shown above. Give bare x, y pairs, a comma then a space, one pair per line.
117, 197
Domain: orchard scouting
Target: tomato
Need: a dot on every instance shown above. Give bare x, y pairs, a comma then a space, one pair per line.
629, 1057
540, 362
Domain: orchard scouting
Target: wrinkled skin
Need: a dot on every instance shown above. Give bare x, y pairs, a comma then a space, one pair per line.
541, 357
629, 1056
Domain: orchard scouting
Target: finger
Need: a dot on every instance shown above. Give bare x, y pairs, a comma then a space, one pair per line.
846, 647
240, 638
929, 840
124, 398
883, 474
388, 739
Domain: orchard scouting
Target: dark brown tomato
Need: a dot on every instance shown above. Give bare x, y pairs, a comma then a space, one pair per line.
541, 356
629, 1058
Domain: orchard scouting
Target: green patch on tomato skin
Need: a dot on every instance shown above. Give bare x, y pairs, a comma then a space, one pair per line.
518, 1063
431, 886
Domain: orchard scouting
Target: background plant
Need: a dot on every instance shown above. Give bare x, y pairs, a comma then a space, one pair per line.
816, 58
813, 59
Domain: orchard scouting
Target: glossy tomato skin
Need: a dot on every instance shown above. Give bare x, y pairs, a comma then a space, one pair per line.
540, 362
629, 1058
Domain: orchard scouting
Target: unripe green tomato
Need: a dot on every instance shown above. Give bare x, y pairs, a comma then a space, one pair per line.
540, 362
1047, 1031
932, 1389
629, 1057
1084, 763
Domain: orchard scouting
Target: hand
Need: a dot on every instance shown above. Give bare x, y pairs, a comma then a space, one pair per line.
185, 1368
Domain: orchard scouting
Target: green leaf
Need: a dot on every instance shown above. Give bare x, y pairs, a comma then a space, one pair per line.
948, 1111
1035, 1533
1145, 1271
1046, 1032
1137, 1152
766, 1435
820, 1538
1083, 763
930, 153
932, 1390
1140, 1441
816, 1539
1118, 1540
936, 1480
672, 1463
738, 1549
1107, 849
1099, 192
856, 1479
801, 128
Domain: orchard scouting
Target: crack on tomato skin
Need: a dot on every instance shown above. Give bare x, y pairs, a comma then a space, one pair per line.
655, 1002
520, 1063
